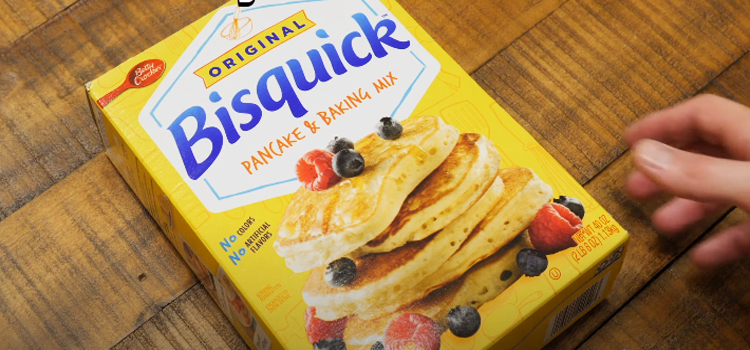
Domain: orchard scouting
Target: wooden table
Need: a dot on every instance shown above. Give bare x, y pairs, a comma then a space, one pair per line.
82, 264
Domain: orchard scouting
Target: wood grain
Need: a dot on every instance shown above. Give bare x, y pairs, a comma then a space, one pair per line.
45, 125
83, 265
574, 81
472, 32
18, 18
685, 309
679, 291
591, 68
192, 321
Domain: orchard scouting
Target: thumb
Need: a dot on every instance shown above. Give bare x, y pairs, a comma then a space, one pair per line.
694, 176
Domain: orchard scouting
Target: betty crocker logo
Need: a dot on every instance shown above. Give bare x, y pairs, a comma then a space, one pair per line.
141, 75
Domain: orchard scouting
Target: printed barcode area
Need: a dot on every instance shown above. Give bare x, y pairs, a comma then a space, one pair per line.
567, 315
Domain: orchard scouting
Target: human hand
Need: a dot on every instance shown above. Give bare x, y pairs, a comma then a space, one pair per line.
698, 151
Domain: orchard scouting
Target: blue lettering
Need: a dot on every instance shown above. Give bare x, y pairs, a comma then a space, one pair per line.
348, 50
321, 74
194, 168
247, 108
275, 91
377, 41
234, 258
333, 55
273, 37
288, 94
226, 122
225, 119
225, 244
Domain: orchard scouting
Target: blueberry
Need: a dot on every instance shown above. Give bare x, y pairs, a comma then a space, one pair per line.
348, 163
378, 346
389, 129
330, 344
464, 321
574, 204
531, 261
340, 272
338, 144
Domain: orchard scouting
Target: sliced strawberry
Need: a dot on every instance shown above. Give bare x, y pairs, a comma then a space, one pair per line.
412, 331
318, 329
553, 228
315, 170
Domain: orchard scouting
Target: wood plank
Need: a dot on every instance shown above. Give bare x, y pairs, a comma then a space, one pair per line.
83, 264
579, 77
473, 32
732, 83
192, 321
45, 125
19, 17
685, 309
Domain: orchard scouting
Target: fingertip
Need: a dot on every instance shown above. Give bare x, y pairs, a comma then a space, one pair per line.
724, 248
705, 258
630, 135
664, 223
654, 159
679, 214
640, 187
697, 260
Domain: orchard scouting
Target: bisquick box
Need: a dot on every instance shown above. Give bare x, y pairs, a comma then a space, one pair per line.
209, 125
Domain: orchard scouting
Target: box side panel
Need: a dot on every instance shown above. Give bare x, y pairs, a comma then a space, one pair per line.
179, 232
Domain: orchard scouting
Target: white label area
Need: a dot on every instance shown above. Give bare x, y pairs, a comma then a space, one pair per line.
237, 141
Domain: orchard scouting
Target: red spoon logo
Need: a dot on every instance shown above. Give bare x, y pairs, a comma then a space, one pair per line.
141, 75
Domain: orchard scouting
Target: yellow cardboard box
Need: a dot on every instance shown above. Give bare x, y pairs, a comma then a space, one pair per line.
208, 125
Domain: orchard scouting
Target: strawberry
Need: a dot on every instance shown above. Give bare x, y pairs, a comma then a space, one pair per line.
315, 170
412, 331
318, 329
553, 228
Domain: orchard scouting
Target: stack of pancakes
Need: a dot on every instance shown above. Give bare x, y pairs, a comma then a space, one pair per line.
431, 224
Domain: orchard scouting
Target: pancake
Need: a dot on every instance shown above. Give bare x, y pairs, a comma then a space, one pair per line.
319, 227
381, 276
522, 198
481, 284
443, 196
